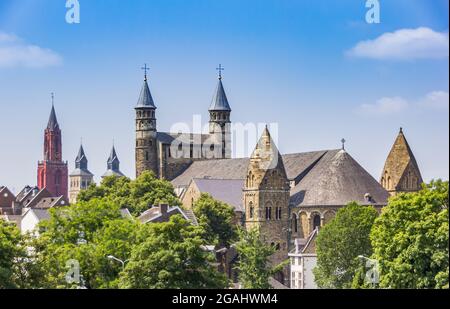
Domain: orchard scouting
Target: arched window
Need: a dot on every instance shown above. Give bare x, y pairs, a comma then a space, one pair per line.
316, 221
295, 223
146, 155
389, 182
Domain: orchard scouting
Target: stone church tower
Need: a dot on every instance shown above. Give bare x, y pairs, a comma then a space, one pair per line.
266, 196
81, 177
146, 144
401, 172
52, 171
219, 119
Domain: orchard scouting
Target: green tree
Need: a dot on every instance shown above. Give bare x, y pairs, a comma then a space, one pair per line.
172, 256
254, 267
136, 195
410, 239
86, 232
11, 249
340, 242
216, 218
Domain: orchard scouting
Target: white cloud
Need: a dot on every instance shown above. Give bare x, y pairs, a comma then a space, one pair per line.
435, 100
384, 106
14, 52
404, 44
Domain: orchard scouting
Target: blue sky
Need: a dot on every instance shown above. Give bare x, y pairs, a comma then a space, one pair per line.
314, 67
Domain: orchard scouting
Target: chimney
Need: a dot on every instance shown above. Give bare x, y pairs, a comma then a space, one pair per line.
163, 208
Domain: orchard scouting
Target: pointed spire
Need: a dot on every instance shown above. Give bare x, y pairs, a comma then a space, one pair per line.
81, 161
113, 164
220, 101
401, 164
145, 98
266, 152
52, 121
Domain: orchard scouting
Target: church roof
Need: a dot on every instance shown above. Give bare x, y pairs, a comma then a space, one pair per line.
399, 158
335, 180
167, 138
52, 121
145, 98
113, 156
225, 190
220, 101
295, 164
113, 165
81, 164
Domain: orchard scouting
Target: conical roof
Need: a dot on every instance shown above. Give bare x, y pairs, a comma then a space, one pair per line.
400, 158
266, 153
113, 156
145, 98
336, 180
52, 121
81, 161
220, 101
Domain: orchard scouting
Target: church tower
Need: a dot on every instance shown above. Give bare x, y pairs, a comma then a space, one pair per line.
81, 177
266, 195
401, 172
146, 147
219, 118
52, 171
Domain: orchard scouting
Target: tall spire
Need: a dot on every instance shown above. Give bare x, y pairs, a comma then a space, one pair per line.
145, 98
220, 101
52, 121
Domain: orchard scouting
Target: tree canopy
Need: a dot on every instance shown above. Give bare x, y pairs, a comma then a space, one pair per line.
11, 249
411, 239
254, 267
136, 195
216, 218
340, 242
173, 255
86, 232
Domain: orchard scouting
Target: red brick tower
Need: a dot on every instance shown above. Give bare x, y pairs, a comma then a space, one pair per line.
52, 171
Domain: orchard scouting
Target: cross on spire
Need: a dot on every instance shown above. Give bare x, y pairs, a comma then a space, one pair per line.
53, 98
343, 143
220, 69
145, 68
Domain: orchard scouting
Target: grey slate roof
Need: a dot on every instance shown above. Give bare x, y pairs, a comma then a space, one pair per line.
220, 101
81, 164
294, 164
167, 138
41, 214
217, 169
337, 179
52, 121
145, 98
226, 190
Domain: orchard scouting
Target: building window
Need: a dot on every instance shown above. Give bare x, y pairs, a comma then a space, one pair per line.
295, 223
268, 213
316, 222
278, 213
146, 155
251, 210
